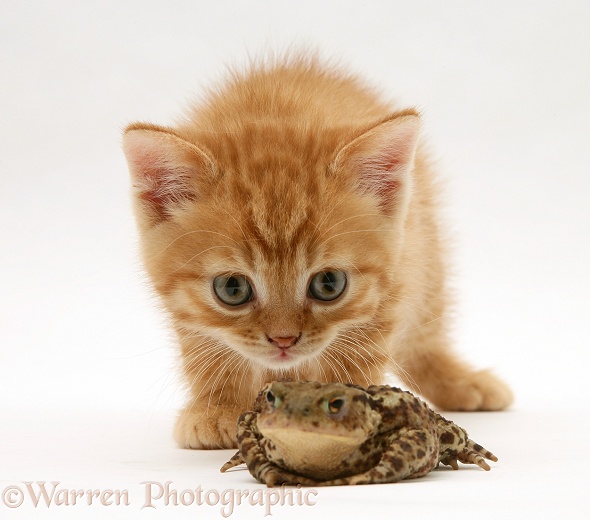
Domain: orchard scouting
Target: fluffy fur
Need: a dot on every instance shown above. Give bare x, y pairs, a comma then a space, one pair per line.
289, 170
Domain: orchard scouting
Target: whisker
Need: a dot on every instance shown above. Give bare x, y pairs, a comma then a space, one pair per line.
402, 300
237, 223
353, 345
379, 348
423, 324
346, 219
246, 370
342, 366
191, 233
343, 353
325, 218
376, 230
327, 357
199, 254
236, 362
395, 365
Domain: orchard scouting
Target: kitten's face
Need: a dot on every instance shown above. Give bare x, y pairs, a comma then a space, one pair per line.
253, 263
267, 245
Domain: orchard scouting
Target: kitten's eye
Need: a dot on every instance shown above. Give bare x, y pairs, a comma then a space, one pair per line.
327, 285
233, 290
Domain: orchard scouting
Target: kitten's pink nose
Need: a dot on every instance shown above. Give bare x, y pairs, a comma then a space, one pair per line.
283, 342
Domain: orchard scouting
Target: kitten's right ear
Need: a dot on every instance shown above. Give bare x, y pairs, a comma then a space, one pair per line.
165, 169
381, 160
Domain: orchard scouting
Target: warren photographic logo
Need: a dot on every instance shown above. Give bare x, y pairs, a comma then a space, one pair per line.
154, 495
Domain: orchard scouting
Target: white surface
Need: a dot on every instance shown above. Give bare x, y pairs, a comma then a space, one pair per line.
88, 386
539, 474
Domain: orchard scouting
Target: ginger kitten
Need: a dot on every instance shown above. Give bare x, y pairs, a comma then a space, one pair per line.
289, 227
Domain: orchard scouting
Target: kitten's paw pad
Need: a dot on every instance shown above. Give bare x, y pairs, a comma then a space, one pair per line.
211, 429
477, 391
495, 394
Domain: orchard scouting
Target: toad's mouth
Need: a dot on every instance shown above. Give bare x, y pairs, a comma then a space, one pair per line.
289, 433
318, 454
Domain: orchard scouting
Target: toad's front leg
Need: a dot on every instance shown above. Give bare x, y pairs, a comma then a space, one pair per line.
236, 460
455, 445
252, 453
268, 473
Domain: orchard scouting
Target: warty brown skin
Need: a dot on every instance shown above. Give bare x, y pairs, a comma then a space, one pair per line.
333, 434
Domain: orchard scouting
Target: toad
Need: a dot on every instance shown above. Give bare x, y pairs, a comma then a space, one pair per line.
316, 434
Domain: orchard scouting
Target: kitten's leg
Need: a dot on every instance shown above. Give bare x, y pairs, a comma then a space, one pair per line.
443, 378
221, 388
203, 426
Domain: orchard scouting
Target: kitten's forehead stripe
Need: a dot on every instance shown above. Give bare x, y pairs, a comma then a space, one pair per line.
278, 187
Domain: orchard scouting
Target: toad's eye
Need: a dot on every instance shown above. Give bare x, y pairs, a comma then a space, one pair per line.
327, 285
335, 404
272, 399
233, 289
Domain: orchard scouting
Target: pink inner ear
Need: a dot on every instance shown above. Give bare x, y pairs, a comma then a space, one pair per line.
387, 191
160, 173
385, 187
164, 191
385, 159
383, 174
392, 159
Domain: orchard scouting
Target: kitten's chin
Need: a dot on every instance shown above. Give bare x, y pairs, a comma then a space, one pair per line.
283, 361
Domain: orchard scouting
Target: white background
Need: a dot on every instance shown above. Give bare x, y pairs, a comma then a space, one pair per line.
88, 380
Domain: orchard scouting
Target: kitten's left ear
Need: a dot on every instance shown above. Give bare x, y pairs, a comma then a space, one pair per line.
166, 170
381, 160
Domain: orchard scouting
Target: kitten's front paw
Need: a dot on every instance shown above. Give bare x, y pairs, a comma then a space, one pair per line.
474, 391
212, 428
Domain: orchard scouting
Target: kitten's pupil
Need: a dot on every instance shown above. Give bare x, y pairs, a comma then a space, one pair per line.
233, 290
327, 285
329, 282
232, 286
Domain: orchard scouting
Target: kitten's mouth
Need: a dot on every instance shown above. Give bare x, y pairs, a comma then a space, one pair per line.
284, 355
284, 350
276, 357
284, 358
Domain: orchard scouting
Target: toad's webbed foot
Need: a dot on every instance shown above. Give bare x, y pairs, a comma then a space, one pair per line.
472, 453
236, 460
